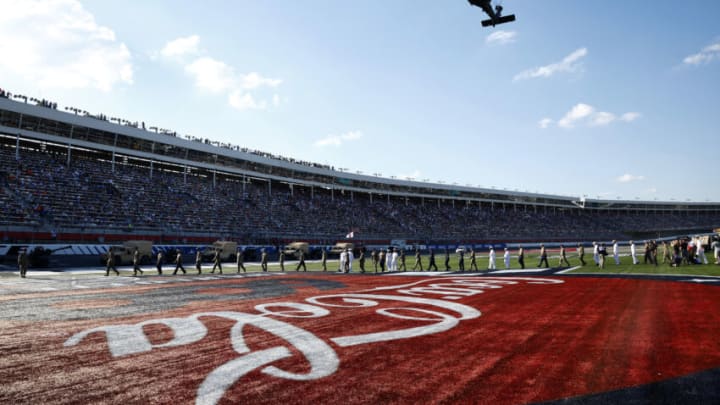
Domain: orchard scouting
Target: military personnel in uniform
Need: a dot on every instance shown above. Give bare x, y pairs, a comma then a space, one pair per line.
461, 260
418, 260
543, 257
402, 260
301, 262
563, 258
198, 261
665, 253
178, 263
281, 259
159, 262
374, 258
521, 257
602, 252
447, 260
263, 260
581, 253
361, 260
473, 260
217, 264
111, 263
324, 259
432, 261
381, 261
136, 262
241, 261
23, 263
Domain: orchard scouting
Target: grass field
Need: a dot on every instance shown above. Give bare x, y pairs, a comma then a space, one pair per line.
531, 261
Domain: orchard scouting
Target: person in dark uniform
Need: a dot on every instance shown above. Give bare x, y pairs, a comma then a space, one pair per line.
381, 261
23, 263
374, 258
418, 260
653, 252
198, 261
301, 262
241, 261
136, 262
361, 260
432, 261
111, 263
324, 259
581, 253
281, 259
447, 260
473, 260
461, 260
543, 256
217, 264
563, 258
263, 260
402, 260
602, 252
179, 263
159, 262
521, 257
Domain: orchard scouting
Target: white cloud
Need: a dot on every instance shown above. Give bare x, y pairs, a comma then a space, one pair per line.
707, 54
181, 47
584, 114
630, 116
501, 37
253, 80
577, 113
569, 64
545, 122
218, 77
211, 74
627, 178
58, 44
602, 118
245, 101
337, 140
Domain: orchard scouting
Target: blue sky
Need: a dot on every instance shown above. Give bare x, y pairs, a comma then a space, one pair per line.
574, 98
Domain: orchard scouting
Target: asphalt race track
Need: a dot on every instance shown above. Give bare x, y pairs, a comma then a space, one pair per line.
332, 338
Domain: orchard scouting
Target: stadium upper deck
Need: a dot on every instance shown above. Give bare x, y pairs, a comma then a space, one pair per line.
38, 123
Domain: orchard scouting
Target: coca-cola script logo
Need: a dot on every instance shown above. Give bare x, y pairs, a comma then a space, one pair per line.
429, 302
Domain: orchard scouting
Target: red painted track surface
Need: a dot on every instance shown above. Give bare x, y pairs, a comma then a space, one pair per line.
533, 342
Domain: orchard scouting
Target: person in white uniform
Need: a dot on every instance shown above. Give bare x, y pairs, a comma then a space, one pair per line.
343, 260
633, 252
596, 256
616, 253
506, 258
701, 250
491, 259
350, 258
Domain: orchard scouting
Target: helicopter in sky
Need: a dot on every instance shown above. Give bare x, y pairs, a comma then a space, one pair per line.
495, 13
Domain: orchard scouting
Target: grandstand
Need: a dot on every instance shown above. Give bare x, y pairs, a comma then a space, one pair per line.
74, 176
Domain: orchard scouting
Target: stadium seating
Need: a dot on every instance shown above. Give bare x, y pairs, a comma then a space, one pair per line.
40, 191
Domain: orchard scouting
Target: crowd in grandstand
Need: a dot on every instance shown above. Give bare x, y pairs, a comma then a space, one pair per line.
41, 190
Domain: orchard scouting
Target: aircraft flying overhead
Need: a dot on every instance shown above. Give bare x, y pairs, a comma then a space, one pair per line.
495, 13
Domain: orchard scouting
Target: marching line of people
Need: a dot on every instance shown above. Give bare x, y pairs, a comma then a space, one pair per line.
676, 253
